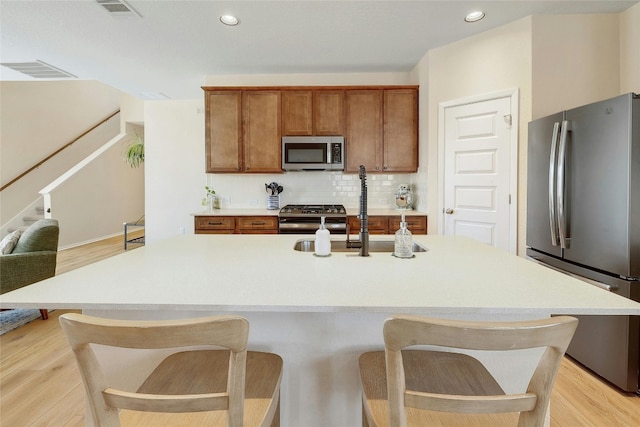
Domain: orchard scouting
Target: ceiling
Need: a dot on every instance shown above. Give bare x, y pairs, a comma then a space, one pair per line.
170, 49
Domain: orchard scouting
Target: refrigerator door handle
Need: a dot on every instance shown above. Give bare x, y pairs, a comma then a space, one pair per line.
553, 218
560, 199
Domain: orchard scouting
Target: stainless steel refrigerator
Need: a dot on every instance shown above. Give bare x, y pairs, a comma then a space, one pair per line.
583, 218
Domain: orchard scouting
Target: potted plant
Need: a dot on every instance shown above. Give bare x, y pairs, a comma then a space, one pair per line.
211, 200
134, 155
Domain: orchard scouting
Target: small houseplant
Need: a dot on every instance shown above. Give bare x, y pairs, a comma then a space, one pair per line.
134, 155
211, 200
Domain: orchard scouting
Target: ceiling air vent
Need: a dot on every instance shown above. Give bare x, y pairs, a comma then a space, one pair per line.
118, 9
38, 70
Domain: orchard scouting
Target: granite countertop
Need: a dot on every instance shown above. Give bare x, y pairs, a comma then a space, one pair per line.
263, 273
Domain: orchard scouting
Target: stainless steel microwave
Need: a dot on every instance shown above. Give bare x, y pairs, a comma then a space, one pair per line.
312, 153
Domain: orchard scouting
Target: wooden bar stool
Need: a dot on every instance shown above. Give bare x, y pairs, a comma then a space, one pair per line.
234, 386
441, 388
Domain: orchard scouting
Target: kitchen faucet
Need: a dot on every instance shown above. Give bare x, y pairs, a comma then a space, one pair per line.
363, 243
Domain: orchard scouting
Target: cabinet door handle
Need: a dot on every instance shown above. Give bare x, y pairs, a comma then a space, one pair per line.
214, 223
258, 223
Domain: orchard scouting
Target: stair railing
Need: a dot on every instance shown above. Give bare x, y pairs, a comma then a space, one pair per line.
67, 145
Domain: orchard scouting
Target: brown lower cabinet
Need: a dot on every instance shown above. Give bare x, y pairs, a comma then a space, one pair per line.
215, 224
381, 224
257, 225
236, 225
378, 224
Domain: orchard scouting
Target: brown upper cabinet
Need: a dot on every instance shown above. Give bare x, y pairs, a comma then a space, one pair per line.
364, 130
261, 115
312, 112
400, 130
243, 132
245, 125
297, 112
223, 131
328, 112
382, 130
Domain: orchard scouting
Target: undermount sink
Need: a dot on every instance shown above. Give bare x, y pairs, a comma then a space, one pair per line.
308, 245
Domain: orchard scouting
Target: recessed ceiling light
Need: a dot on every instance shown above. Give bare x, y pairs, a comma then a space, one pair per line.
474, 16
229, 20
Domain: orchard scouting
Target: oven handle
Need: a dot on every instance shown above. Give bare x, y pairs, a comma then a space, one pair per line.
313, 227
289, 228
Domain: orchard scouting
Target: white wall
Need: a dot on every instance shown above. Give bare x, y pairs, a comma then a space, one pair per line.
575, 61
174, 165
37, 116
630, 50
499, 59
90, 207
507, 57
245, 190
420, 74
556, 61
131, 110
494, 61
328, 79
37, 119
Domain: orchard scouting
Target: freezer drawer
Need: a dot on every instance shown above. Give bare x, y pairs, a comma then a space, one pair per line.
608, 345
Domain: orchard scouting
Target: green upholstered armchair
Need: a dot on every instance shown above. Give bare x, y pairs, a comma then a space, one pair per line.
32, 259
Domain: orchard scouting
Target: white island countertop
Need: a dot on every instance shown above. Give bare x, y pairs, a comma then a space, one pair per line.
263, 273
319, 314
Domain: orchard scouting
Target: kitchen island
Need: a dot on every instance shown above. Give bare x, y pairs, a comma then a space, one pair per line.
319, 313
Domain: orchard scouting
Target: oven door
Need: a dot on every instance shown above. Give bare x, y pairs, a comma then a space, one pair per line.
310, 225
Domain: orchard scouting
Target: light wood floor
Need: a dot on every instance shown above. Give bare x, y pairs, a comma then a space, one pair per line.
40, 384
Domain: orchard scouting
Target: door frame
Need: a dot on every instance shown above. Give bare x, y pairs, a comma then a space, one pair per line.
513, 94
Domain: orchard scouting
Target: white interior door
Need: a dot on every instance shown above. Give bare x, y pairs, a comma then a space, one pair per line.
478, 172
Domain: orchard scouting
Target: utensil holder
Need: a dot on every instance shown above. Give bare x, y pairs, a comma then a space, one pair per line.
273, 202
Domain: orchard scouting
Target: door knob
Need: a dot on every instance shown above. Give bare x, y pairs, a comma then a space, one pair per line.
449, 211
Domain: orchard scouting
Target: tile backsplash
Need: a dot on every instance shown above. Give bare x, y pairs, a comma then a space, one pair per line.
323, 187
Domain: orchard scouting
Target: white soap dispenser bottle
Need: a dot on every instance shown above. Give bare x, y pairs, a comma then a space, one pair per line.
403, 246
323, 242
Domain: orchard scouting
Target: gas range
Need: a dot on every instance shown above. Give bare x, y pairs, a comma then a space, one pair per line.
318, 210
305, 219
